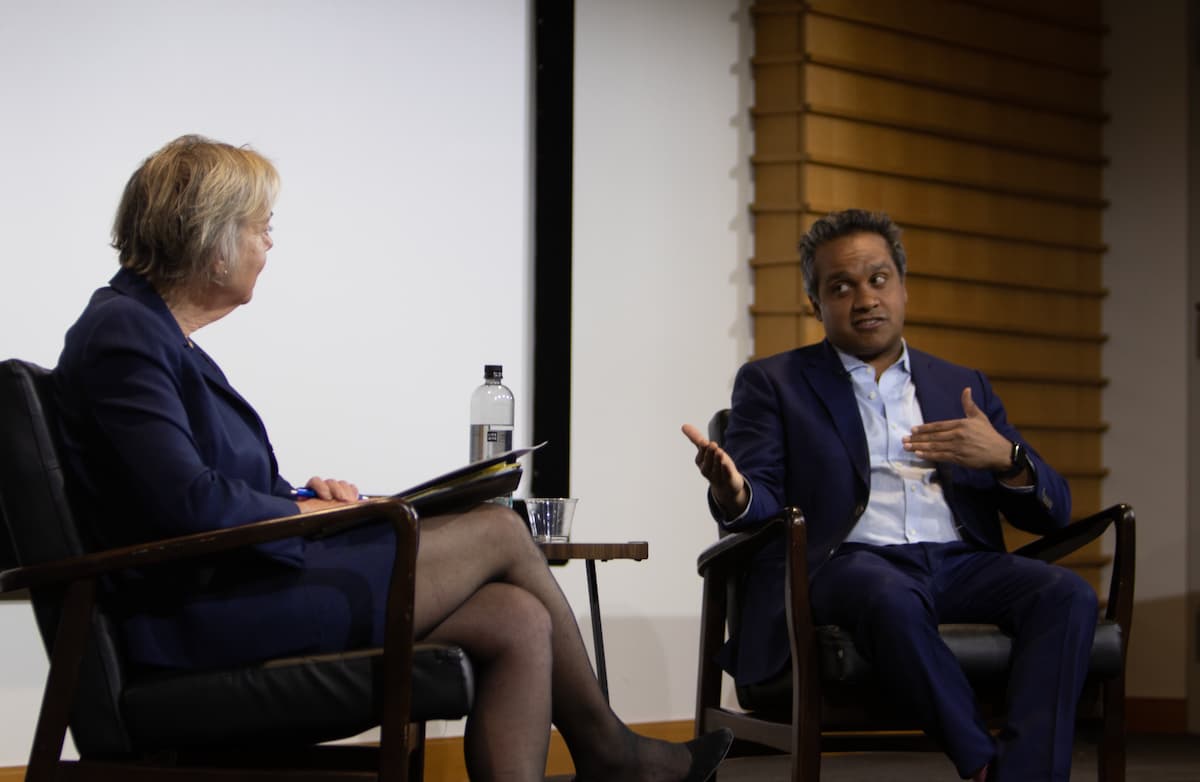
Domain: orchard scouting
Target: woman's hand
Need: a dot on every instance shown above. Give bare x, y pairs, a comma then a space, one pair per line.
330, 492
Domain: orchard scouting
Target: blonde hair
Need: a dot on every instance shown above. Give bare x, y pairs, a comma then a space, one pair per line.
184, 207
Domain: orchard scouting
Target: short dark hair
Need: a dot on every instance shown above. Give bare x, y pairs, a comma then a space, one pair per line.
835, 225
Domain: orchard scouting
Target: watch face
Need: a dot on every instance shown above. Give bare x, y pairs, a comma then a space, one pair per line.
1020, 461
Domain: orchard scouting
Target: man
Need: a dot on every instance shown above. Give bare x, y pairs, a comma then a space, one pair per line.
900, 462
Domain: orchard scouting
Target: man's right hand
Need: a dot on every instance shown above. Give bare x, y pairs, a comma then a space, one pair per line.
727, 484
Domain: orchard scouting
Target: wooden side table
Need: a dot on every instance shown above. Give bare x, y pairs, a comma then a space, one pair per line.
561, 553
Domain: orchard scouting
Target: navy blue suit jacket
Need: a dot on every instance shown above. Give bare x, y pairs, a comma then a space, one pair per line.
157, 444
796, 434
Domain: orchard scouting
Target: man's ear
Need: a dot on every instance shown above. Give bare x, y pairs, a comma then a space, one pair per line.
817, 308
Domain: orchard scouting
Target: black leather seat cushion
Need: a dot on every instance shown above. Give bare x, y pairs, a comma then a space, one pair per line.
298, 700
982, 650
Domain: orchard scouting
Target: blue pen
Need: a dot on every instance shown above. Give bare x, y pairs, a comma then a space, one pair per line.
308, 494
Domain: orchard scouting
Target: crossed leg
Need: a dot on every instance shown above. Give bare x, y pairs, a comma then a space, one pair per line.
483, 584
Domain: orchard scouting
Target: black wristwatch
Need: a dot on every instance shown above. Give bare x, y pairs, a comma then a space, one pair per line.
1020, 461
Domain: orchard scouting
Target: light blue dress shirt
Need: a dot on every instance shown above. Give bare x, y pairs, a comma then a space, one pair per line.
906, 503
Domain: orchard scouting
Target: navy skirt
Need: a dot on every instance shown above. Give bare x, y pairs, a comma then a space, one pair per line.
247, 609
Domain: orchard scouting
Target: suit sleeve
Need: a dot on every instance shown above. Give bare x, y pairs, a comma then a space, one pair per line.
134, 389
1045, 508
754, 439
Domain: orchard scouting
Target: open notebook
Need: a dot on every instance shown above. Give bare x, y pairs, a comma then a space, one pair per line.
458, 489
469, 485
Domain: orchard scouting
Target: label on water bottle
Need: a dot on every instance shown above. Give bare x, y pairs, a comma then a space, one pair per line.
487, 441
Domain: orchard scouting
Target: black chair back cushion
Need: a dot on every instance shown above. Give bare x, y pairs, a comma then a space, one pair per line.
41, 528
300, 700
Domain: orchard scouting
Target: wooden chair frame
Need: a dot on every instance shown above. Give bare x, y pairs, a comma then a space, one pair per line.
800, 733
398, 757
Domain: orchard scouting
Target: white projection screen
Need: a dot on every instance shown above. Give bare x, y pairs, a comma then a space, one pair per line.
402, 259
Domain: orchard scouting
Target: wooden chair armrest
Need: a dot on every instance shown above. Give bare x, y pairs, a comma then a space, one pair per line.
1057, 544
200, 544
1120, 589
735, 548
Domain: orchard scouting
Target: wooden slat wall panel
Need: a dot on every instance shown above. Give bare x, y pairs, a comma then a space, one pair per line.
981, 305
1085, 495
952, 68
1006, 353
903, 152
775, 333
781, 91
990, 31
964, 209
1040, 403
1004, 262
779, 329
967, 304
1071, 14
976, 124
1066, 450
949, 254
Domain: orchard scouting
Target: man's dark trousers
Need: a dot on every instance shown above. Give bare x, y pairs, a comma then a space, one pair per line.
891, 599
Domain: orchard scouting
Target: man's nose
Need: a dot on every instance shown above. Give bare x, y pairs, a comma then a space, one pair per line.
865, 299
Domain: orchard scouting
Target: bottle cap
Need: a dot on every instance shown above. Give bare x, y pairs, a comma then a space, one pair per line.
493, 371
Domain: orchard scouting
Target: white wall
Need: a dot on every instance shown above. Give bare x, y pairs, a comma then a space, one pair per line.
661, 322
402, 257
402, 239
1147, 316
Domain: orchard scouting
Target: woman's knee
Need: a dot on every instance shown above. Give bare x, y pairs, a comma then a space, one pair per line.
502, 527
513, 619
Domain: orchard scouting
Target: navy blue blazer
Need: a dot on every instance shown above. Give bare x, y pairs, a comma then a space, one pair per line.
796, 434
157, 444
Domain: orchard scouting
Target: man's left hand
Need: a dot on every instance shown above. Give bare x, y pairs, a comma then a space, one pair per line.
971, 441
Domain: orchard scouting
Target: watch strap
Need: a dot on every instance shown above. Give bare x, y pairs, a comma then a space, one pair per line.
1020, 460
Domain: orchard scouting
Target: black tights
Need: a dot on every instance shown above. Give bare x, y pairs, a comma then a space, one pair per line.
483, 585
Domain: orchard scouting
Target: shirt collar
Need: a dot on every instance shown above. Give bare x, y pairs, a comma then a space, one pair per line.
854, 364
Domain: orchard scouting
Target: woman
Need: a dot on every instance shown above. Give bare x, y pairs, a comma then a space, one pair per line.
161, 445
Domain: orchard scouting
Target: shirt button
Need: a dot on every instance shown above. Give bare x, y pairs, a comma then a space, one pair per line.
871, 395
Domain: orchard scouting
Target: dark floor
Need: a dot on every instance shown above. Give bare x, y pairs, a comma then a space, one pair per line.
1150, 759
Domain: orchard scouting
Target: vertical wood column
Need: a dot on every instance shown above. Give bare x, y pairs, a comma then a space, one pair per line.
976, 124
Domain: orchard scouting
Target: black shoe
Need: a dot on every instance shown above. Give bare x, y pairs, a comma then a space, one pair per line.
707, 753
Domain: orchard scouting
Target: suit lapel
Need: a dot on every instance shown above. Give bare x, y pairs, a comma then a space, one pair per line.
137, 287
827, 377
938, 402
